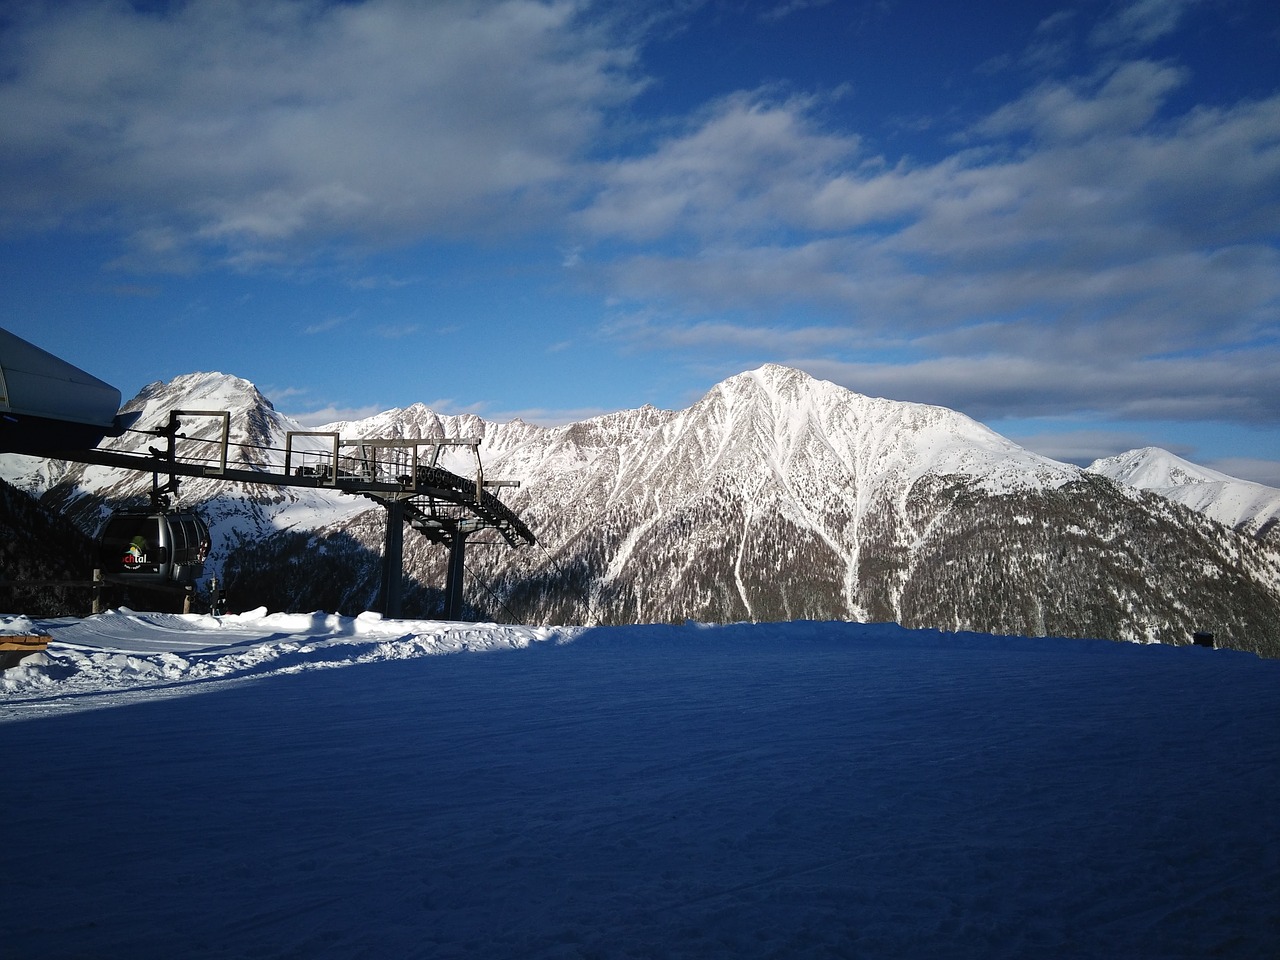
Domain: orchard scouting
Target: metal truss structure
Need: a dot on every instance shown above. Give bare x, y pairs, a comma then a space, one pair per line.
402, 475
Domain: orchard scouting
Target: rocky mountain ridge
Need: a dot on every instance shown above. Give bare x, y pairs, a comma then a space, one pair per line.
775, 496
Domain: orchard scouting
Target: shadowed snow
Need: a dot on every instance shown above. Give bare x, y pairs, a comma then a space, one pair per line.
797, 790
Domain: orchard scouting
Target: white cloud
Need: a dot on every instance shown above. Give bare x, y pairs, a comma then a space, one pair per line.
1082, 447
1091, 267
1140, 22
547, 417
257, 125
749, 163
392, 331
1249, 468
1078, 248
334, 414
285, 393
786, 8
641, 331
1121, 101
329, 323
1232, 388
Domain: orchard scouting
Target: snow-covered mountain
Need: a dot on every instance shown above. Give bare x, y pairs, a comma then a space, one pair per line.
777, 496
774, 497
1240, 504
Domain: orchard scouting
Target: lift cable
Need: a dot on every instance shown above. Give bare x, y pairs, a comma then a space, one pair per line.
511, 617
564, 574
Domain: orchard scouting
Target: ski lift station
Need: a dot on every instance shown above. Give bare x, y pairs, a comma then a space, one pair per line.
50, 408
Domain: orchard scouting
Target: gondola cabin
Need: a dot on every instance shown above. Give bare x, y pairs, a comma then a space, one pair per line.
153, 547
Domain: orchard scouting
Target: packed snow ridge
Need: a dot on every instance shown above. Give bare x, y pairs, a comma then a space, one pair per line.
136, 654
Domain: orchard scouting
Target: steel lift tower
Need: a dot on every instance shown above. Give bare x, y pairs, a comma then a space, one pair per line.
50, 408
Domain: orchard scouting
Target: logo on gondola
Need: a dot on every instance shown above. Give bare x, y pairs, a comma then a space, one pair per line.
135, 556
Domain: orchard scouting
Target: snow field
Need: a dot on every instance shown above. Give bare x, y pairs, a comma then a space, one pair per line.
790, 790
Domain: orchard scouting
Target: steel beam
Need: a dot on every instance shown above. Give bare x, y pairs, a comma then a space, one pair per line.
391, 590
457, 573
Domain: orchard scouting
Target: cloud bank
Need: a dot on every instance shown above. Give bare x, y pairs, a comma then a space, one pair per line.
260, 128
1090, 244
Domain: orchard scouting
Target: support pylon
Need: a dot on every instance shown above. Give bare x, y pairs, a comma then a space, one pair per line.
457, 569
390, 591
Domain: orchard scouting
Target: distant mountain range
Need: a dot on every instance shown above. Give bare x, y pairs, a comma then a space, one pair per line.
774, 497
1239, 504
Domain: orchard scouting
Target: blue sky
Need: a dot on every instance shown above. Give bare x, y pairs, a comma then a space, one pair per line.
1062, 219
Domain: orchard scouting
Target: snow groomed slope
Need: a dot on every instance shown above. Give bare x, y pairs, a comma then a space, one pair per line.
798, 790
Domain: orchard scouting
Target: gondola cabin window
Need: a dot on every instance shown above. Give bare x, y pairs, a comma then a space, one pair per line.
132, 545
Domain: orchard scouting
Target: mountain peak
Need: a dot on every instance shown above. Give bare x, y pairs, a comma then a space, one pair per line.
210, 389
778, 373
254, 420
1154, 467
772, 378
1240, 504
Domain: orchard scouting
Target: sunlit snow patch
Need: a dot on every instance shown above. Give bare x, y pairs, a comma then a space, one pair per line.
158, 654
